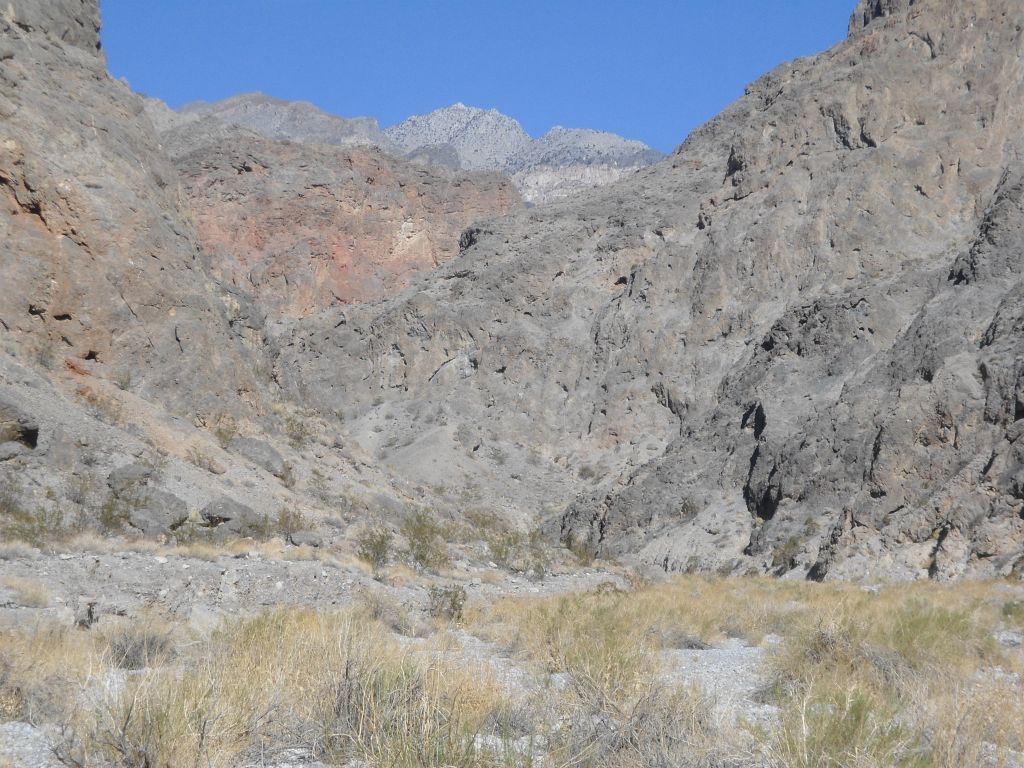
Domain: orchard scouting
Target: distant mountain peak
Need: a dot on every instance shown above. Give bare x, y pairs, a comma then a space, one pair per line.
460, 136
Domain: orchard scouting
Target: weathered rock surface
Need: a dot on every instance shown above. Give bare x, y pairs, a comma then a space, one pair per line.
796, 343
303, 227
99, 260
260, 453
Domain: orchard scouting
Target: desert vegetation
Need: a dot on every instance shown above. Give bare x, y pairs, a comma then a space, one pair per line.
847, 675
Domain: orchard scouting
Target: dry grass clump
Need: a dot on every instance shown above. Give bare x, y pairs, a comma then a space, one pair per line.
616, 709
335, 683
685, 613
904, 677
139, 643
28, 592
43, 669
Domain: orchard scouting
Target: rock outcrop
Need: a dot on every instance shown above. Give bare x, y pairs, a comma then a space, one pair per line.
790, 346
100, 263
307, 226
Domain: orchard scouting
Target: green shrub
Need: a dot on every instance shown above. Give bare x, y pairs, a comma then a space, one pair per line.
374, 547
425, 545
447, 602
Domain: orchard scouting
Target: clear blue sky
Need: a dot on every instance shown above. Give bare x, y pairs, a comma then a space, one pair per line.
647, 69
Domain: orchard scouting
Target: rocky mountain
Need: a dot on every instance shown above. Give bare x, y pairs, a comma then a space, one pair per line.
565, 161
291, 120
305, 226
558, 164
136, 388
794, 345
482, 139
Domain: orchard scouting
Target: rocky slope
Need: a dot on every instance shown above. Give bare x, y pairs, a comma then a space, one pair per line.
136, 394
791, 345
306, 226
794, 346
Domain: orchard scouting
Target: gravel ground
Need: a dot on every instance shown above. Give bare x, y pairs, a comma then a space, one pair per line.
732, 674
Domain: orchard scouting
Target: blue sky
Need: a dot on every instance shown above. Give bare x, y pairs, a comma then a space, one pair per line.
647, 69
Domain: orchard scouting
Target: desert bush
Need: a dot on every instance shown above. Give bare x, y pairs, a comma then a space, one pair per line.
297, 430
385, 608
447, 602
287, 476
289, 520
425, 544
122, 379
374, 547
225, 430
35, 525
139, 643
115, 511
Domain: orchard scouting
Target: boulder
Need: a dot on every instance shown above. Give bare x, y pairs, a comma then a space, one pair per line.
228, 516
129, 478
157, 512
17, 426
260, 453
306, 538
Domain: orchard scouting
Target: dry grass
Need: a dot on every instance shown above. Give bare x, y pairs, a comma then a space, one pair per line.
43, 670
905, 676
336, 683
28, 592
16, 550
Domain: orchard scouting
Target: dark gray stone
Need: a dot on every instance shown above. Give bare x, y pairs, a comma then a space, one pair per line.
307, 538
230, 517
260, 453
157, 512
129, 478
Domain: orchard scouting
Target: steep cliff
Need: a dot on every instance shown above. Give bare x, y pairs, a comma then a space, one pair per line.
100, 263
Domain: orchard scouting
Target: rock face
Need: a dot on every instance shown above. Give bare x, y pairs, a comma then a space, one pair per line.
558, 164
99, 260
303, 227
795, 344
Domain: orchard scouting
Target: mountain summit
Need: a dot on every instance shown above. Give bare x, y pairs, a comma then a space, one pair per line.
560, 163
